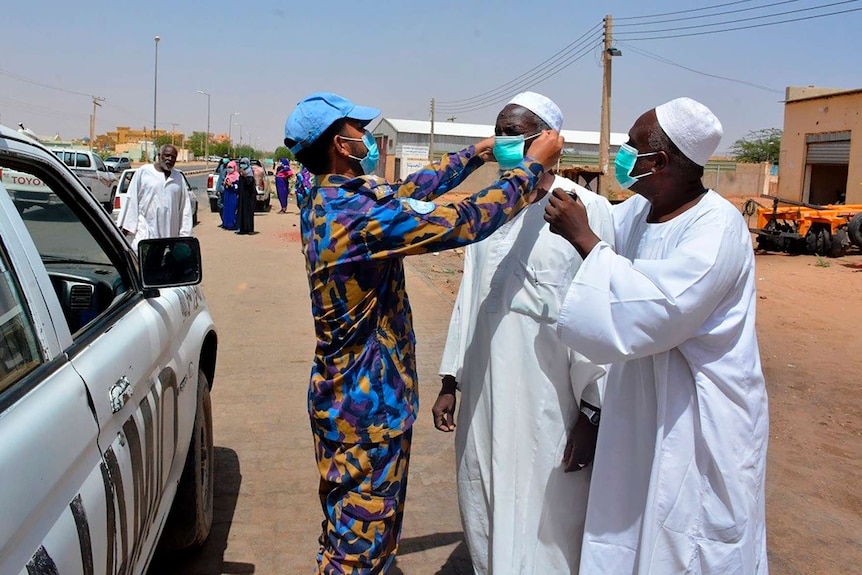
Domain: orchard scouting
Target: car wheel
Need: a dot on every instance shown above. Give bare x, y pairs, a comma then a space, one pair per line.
855, 230
109, 205
191, 516
195, 217
213, 205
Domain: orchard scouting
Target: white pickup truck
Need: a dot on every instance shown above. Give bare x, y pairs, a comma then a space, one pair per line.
27, 190
92, 171
263, 196
107, 358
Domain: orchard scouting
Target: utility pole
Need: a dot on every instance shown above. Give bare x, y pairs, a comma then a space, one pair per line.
431, 140
207, 140
229, 131
155, 86
173, 128
96, 101
605, 129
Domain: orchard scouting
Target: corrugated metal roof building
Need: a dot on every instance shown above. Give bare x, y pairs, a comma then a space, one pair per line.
404, 143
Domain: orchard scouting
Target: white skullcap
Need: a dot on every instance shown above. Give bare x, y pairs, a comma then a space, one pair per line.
692, 127
541, 106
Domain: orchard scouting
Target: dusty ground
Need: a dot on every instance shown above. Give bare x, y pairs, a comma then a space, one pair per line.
267, 517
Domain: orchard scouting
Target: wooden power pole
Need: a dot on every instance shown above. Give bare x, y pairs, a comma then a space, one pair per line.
605, 129
431, 140
96, 101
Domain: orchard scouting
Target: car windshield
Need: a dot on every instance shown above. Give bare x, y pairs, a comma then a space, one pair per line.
113, 159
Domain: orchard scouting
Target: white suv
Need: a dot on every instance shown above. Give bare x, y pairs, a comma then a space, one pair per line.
107, 358
93, 172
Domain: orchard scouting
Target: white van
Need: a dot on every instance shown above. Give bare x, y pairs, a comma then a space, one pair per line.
93, 172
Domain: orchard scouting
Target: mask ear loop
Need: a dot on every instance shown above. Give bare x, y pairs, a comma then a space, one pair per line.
645, 174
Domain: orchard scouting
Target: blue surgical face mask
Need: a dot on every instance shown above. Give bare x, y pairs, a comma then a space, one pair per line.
509, 150
372, 156
624, 163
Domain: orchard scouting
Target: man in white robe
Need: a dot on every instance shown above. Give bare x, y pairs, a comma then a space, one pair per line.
157, 205
521, 386
679, 471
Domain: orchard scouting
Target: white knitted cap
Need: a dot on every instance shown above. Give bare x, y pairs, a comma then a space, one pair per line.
541, 106
692, 127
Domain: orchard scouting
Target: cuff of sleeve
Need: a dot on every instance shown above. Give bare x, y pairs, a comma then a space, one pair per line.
533, 167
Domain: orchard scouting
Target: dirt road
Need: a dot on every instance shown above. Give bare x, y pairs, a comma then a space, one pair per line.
267, 516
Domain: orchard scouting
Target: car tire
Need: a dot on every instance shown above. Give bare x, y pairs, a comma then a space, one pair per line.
109, 205
195, 217
213, 205
191, 515
855, 230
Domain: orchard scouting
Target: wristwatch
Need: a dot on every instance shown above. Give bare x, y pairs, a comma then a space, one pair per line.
593, 415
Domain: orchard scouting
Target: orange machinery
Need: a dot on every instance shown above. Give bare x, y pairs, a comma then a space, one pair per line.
799, 227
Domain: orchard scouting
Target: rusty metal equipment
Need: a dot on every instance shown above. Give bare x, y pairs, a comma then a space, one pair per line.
798, 227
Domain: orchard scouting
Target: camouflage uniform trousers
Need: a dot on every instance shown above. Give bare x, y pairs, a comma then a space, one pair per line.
362, 491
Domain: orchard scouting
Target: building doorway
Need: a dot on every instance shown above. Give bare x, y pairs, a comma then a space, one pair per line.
826, 167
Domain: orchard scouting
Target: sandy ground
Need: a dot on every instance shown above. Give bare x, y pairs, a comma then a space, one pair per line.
267, 516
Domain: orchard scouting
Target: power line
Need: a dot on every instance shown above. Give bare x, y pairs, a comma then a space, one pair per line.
648, 16
749, 19
36, 109
707, 32
672, 63
21, 78
689, 18
574, 45
529, 82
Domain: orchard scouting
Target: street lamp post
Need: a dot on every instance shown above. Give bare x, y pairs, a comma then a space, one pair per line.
207, 140
155, 89
229, 129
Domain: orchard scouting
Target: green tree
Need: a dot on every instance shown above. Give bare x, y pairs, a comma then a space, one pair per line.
196, 142
282, 152
758, 146
162, 139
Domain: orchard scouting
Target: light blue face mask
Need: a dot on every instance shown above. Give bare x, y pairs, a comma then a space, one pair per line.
624, 163
509, 150
372, 156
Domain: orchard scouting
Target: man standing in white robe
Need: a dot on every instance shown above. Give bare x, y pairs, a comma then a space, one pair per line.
521, 386
679, 471
157, 205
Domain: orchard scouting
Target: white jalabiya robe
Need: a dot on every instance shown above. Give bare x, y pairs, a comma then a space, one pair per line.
520, 392
678, 479
156, 207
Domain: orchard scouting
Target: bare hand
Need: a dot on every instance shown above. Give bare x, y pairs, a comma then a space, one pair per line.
567, 216
546, 148
581, 445
485, 149
444, 407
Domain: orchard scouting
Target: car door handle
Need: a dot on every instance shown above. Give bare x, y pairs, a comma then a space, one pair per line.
119, 393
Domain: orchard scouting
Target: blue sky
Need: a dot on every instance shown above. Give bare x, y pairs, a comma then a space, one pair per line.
260, 61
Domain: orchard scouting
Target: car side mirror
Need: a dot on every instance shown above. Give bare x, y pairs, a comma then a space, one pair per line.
169, 262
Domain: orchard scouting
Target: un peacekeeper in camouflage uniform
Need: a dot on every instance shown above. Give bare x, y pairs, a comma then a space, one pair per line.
356, 230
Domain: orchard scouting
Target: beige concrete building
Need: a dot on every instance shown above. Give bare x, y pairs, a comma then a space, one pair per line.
821, 148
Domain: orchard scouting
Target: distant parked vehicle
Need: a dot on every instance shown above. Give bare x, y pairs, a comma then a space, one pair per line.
117, 164
263, 196
92, 171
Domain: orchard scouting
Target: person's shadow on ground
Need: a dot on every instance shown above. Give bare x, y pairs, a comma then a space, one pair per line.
458, 562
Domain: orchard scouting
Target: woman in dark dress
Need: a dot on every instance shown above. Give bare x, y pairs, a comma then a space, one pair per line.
230, 196
247, 198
